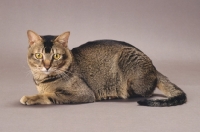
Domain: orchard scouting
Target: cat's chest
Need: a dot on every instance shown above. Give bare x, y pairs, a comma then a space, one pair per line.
62, 83
50, 87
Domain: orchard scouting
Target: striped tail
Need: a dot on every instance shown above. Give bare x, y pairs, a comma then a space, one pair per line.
175, 96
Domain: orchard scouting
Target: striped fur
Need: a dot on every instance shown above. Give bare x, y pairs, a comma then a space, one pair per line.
94, 71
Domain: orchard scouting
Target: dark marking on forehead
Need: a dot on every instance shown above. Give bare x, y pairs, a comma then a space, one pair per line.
48, 42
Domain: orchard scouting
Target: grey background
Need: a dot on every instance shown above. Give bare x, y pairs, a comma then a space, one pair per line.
166, 30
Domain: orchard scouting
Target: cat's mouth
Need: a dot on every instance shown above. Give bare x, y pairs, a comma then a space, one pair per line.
47, 70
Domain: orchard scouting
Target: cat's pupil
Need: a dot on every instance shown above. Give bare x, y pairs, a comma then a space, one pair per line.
57, 56
38, 55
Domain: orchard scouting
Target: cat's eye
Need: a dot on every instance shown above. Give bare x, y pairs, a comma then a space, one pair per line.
57, 56
38, 55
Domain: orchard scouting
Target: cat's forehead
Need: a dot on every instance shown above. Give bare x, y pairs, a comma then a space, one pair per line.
47, 45
48, 42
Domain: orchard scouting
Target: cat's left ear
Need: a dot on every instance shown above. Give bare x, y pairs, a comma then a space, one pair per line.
63, 39
33, 37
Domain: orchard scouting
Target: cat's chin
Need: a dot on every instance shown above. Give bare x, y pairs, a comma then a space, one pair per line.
46, 72
49, 73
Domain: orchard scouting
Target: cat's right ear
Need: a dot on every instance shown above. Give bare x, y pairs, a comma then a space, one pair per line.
63, 38
33, 37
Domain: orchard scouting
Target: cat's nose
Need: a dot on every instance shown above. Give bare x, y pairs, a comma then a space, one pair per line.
47, 64
47, 67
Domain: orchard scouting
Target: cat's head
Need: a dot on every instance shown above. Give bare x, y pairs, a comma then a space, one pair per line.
48, 55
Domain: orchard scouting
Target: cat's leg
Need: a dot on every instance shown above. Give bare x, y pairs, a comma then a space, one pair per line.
143, 83
139, 72
59, 97
36, 99
143, 86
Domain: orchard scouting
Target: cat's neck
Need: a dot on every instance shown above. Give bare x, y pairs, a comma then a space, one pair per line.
46, 78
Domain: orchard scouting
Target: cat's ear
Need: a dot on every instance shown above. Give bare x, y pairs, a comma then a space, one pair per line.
33, 37
63, 39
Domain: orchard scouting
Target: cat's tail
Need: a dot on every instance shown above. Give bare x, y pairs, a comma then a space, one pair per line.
175, 96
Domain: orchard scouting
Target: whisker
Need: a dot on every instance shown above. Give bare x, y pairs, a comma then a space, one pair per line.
66, 76
28, 73
63, 75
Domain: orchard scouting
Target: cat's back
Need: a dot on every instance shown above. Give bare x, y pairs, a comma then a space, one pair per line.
102, 53
101, 48
105, 43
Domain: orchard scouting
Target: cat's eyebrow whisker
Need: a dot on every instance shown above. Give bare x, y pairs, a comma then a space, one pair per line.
52, 50
43, 49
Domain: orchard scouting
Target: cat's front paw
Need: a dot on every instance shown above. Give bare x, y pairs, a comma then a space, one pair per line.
27, 100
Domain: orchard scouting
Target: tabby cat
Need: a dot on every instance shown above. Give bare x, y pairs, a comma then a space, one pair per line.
97, 70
